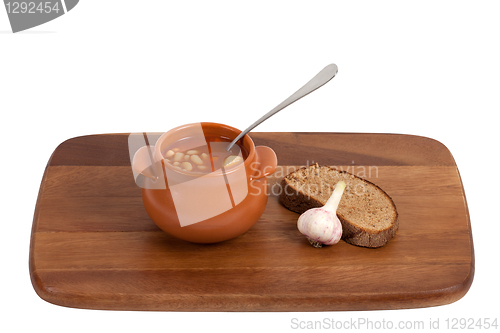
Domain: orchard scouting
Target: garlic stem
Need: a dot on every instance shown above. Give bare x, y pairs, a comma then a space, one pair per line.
333, 203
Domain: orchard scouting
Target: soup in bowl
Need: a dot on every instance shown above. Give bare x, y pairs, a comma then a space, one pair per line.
195, 190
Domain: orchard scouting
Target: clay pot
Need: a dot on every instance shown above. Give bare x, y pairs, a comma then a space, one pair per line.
211, 208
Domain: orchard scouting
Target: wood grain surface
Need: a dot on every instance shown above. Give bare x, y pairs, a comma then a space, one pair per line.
93, 245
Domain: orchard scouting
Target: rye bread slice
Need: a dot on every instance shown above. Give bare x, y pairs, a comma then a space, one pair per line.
368, 215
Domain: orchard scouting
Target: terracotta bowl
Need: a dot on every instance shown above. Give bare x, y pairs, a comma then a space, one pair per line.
216, 207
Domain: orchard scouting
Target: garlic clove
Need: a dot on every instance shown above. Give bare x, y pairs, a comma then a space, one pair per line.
321, 225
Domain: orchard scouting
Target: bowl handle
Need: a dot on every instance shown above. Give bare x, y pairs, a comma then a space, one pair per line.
265, 164
142, 162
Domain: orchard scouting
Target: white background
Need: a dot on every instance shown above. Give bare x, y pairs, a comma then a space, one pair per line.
428, 68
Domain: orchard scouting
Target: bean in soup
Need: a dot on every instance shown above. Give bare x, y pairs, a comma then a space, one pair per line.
204, 159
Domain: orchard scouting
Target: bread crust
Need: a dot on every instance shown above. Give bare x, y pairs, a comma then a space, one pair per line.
297, 201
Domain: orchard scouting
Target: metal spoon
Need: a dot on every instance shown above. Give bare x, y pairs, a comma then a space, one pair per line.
320, 79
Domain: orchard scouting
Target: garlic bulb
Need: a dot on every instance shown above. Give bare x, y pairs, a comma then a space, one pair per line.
321, 225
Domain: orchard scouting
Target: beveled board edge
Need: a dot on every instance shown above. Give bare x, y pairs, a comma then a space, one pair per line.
255, 303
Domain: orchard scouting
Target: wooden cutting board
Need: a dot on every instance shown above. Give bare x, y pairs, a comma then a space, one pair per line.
93, 245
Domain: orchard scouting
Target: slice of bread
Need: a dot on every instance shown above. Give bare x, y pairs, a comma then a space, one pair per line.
368, 215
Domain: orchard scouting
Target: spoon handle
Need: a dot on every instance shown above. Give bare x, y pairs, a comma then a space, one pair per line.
320, 79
